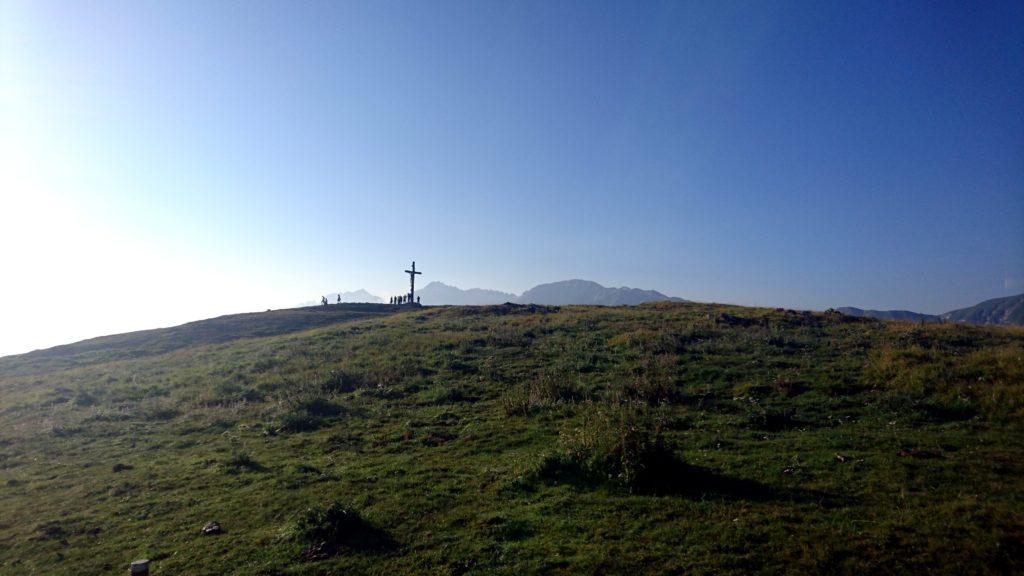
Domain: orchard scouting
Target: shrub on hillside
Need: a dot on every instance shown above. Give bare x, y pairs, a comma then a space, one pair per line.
623, 445
341, 381
158, 408
651, 383
326, 529
305, 407
548, 391
241, 460
643, 389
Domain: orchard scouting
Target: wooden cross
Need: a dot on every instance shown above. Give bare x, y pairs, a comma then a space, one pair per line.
412, 282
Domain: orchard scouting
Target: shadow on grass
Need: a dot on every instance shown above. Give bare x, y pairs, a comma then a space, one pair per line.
330, 529
240, 461
678, 478
370, 539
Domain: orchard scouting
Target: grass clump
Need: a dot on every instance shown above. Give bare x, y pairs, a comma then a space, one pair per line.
242, 461
546, 392
305, 407
623, 445
326, 529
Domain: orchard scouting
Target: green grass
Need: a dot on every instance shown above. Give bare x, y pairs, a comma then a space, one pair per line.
664, 438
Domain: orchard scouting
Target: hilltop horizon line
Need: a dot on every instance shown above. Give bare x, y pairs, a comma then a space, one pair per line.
1003, 310
573, 291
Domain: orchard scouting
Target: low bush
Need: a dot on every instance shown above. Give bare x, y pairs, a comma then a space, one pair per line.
650, 390
342, 381
241, 460
306, 407
623, 445
158, 408
529, 397
326, 529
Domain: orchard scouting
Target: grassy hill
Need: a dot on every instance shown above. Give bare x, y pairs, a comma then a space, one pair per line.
211, 331
663, 438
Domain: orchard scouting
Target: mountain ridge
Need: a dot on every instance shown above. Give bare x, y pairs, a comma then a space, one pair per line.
568, 292
1004, 311
560, 293
439, 293
889, 314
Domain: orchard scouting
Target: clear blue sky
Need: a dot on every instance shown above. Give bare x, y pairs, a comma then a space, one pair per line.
228, 156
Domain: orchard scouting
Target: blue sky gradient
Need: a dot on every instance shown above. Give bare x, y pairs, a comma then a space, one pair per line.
799, 154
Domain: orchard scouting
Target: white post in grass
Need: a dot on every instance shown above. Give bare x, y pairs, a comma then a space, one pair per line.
140, 568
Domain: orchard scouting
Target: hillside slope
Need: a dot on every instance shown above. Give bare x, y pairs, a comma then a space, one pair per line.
211, 331
661, 438
999, 311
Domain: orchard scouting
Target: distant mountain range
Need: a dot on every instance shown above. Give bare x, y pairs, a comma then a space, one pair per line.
555, 294
438, 293
360, 296
890, 314
1008, 311
1003, 311
586, 292
998, 311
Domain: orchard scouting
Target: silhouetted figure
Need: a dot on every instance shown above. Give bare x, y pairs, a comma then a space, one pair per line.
417, 300
323, 300
339, 298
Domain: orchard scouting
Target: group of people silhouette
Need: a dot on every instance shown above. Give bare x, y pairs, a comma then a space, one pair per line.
403, 299
395, 300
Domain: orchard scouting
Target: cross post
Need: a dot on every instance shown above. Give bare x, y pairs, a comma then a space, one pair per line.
412, 282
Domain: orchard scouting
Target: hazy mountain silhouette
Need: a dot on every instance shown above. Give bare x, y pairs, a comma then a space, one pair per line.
1008, 311
357, 296
587, 292
890, 314
438, 293
1003, 311
555, 293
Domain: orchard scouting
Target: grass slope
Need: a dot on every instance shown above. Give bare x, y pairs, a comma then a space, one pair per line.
211, 331
664, 438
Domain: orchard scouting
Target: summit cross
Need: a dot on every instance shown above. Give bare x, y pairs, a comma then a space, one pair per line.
412, 282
